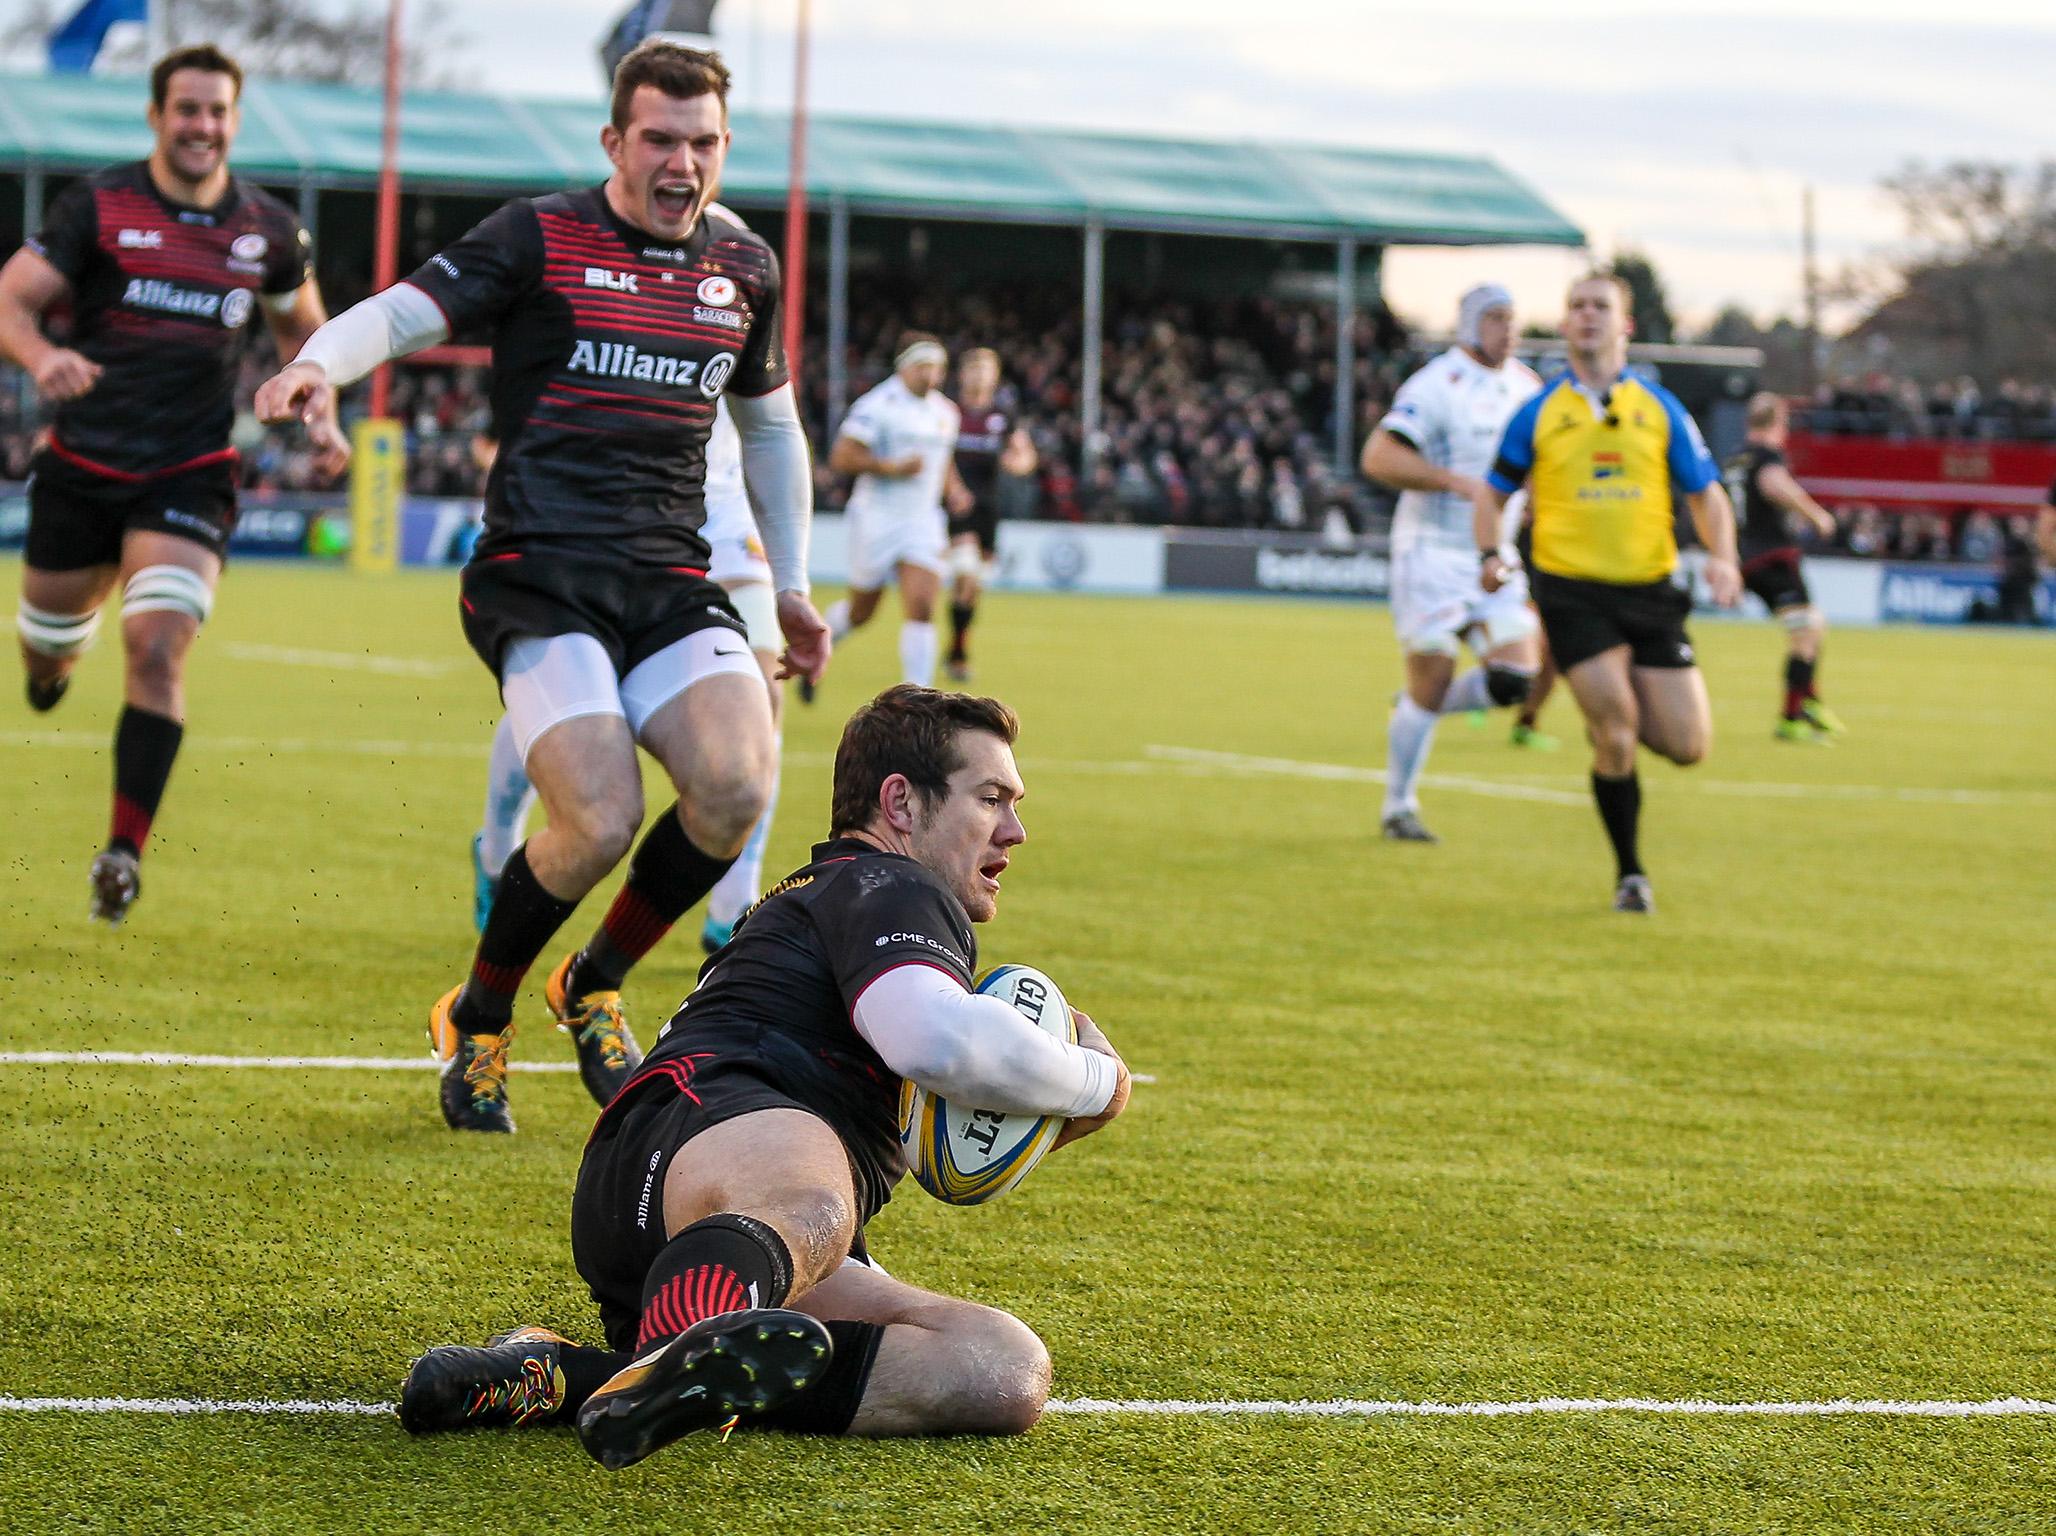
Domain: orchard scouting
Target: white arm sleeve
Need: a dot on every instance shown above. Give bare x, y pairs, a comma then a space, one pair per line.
779, 476
977, 1050
387, 325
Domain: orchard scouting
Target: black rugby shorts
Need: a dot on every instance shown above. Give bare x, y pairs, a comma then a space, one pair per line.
983, 521
617, 1209
1778, 579
1584, 618
78, 518
633, 610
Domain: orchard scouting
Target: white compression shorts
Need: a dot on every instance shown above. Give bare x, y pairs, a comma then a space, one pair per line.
758, 606
546, 681
1438, 604
880, 542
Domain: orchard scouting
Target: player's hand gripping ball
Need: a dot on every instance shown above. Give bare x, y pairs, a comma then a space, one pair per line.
966, 1156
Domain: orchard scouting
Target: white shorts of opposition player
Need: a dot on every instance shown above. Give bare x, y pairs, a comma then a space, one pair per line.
545, 682
739, 565
879, 542
1438, 604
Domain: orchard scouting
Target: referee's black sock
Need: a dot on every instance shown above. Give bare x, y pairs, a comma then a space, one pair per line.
960, 616
1620, 807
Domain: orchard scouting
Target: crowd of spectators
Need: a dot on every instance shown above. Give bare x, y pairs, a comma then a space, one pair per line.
1882, 406
1216, 414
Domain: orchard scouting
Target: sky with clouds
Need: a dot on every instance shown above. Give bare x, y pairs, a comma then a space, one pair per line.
1669, 125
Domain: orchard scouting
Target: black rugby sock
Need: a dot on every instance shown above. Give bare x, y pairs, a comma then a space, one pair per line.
1799, 675
960, 616
1620, 807
721, 1264
585, 1372
830, 1404
145, 745
524, 918
666, 878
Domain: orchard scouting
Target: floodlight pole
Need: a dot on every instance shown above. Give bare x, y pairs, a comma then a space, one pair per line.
1089, 384
386, 257
838, 308
795, 296
1345, 355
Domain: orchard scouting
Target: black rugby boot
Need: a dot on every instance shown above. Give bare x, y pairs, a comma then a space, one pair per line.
738, 1365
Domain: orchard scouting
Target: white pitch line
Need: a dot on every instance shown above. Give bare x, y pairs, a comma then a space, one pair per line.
279, 1063
341, 661
1343, 1408
1239, 762
1527, 789
268, 746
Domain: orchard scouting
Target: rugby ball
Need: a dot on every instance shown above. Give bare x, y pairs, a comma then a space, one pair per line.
963, 1155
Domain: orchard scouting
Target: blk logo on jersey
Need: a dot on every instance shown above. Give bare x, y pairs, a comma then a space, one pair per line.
140, 239
617, 282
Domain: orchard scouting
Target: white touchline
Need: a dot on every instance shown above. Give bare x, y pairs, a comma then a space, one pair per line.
1340, 1408
278, 1063
341, 661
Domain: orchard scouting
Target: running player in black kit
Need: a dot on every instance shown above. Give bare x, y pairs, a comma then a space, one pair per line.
1766, 498
618, 316
163, 263
988, 442
720, 1211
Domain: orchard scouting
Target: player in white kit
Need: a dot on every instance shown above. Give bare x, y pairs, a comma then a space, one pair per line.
1433, 446
738, 564
899, 441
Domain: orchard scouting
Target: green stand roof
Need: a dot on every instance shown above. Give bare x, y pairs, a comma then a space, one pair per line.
329, 135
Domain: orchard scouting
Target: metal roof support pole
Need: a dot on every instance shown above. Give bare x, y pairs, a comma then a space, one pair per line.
1345, 356
310, 209
838, 311
32, 200
1095, 323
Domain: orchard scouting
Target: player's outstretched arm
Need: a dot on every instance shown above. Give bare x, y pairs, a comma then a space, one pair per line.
293, 320
1784, 489
1394, 462
1713, 515
974, 1049
387, 325
29, 285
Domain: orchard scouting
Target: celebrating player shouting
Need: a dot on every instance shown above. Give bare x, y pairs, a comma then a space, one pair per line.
619, 316
720, 1211
1600, 451
162, 264
1433, 446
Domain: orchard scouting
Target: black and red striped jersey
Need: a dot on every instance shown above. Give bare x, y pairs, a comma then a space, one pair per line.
162, 298
981, 439
610, 349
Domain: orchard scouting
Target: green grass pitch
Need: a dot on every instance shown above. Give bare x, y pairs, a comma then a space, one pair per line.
1427, 1124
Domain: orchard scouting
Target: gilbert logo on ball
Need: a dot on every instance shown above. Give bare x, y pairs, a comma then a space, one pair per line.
963, 1155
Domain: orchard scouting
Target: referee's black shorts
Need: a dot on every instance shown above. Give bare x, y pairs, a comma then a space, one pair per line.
617, 1209
1584, 618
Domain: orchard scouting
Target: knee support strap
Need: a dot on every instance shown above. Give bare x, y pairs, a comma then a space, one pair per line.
1507, 685
1800, 619
168, 589
58, 635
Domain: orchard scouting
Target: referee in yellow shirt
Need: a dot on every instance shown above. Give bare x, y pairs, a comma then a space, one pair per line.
1604, 455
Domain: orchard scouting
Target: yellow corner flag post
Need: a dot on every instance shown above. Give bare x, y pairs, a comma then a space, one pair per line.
378, 479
